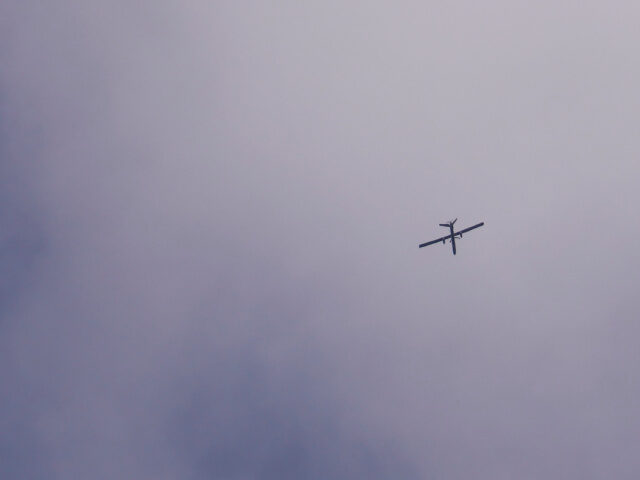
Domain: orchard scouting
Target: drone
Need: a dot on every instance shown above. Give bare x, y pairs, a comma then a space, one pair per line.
452, 236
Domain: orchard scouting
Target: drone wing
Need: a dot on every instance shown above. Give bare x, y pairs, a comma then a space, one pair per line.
441, 239
470, 228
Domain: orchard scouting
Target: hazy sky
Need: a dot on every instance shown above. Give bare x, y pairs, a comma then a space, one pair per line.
209, 220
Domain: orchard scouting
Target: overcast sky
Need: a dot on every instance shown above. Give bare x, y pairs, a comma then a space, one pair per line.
209, 219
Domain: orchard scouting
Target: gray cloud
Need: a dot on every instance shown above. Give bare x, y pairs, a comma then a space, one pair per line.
209, 222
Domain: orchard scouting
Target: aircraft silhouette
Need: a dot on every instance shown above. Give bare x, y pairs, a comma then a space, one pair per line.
453, 235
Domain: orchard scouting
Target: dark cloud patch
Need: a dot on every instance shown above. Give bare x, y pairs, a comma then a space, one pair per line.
22, 239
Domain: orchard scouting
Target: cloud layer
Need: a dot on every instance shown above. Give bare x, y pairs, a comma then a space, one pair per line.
209, 221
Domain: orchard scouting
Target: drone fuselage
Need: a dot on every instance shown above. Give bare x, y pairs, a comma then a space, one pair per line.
453, 238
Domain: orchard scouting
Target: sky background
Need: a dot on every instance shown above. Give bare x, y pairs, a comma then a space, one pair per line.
209, 219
